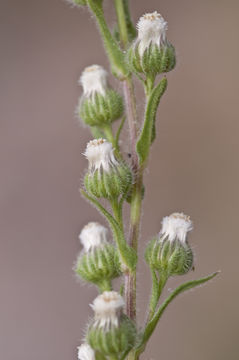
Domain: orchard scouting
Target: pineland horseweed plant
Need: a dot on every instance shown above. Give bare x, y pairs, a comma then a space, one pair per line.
113, 333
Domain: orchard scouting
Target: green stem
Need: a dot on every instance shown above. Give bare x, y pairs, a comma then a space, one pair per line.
149, 85
117, 211
119, 7
119, 131
110, 136
115, 55
131, 113
130, 103
157, 289
105, 285
107, 129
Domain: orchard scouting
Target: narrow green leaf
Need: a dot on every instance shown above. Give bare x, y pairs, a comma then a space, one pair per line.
127, 254
179, 290
148, 133
132, 32
115, 55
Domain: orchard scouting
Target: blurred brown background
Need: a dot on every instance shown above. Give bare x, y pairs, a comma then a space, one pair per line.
193, 168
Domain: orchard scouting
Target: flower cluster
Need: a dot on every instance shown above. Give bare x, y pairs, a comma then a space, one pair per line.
110, 182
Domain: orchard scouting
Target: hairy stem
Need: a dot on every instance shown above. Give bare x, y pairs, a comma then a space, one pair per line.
117, 211
119, 7
136, 197
130, 278
130, 104
157, 289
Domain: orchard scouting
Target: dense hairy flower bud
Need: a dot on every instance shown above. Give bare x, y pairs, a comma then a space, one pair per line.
170, 253
107, 177
85, 352
152, 53
98, 263
111, 332
99, 105
93, 236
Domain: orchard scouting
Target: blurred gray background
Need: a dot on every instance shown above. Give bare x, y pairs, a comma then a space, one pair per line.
193, 168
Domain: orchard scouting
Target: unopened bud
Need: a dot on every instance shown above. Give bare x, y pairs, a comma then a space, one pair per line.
111, 332
107, 177
99, 260
151, 53
100, 105
170, 252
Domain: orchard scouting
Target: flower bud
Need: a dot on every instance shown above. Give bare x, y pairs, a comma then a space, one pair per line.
111, 332
151, 53
170, 253
85, 352
106, 177
99, 260
99, 105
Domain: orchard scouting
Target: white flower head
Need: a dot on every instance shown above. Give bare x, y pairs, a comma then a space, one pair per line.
93, 235
151, 30
85, 352
94, 80
175, 226
108, 308
100, 155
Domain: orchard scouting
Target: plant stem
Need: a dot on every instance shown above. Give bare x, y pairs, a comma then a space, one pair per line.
110, 137
156, 293
117, 211
119, 7
136, 197
130, 104
105, 285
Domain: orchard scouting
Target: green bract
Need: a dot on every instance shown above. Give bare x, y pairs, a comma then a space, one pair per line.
100, 110
154, 60
115, 340
98, 264
169, 257
109, 184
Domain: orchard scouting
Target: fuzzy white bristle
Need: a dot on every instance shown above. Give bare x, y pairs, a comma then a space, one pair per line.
151, 30
93, 235
175, 226
85, 352
108, 307
94, 80
100, 154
